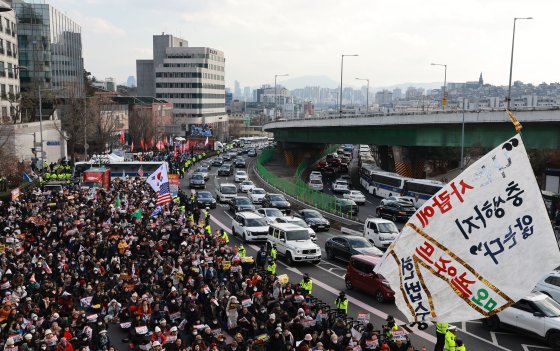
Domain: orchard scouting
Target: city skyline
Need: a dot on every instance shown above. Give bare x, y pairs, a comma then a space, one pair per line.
396, 41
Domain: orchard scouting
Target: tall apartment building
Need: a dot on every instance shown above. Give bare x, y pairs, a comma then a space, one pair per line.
50, 47
192, 78
9, 74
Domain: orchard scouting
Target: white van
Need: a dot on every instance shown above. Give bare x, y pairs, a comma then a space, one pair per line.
225, 192
378, 231
293, 242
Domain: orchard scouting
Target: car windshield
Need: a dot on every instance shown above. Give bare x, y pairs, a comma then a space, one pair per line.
247, 182
277, 198
241, 173
356, 193
548, 306
407, 207
256, 222
313, 214
243, 201
387, 227
258, 191
299, 222
359, 243
197, 176
273, 212
229, 190
204, 195
201, 170
316, 181
297, 235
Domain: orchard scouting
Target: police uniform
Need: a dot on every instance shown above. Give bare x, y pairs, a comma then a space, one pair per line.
441, 329
342, 303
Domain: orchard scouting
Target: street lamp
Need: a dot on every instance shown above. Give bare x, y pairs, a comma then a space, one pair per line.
341, 72
367, 93
444, 98
275, 93
511, 61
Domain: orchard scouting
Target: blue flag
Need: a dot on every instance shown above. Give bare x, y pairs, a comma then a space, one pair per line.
156, 212
26, 177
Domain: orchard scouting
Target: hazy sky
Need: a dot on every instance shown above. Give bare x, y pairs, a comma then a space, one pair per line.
396, 39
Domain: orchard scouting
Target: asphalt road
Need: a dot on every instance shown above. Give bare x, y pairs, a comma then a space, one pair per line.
328, 279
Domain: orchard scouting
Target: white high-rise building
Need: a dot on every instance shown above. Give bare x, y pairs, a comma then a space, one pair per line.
9, 72
192, 78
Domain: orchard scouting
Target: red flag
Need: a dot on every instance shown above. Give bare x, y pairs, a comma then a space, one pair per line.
142, 145
132, 146
165, 142
122, 136
151, 143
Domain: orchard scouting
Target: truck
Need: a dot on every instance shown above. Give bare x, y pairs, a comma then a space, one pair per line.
380, 232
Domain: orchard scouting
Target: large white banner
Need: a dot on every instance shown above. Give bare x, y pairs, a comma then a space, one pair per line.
477, 246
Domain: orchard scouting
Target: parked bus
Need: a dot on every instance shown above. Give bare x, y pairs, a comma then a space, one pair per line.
420, 190
380, 183
117, 168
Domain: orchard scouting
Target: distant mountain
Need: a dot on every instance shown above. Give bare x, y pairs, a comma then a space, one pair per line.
403, 86
307, 81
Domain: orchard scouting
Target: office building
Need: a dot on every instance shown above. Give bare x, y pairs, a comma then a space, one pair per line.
192, 78
50, 47
9, 74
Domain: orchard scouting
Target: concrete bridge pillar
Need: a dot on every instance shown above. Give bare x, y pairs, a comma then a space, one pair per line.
295, 153
403, 163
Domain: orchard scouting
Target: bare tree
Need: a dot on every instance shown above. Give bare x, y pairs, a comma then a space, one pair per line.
141, 125
105, 121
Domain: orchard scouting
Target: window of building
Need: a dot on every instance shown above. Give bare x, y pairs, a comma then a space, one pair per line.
4, 112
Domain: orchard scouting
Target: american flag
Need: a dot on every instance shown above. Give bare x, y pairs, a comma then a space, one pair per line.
140, 171
164, 194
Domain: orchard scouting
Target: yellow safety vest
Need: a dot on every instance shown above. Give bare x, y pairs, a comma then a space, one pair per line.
450, 341
307, 285
271, 267
342, 305
225, 237
441, 328
241, 251
273, 253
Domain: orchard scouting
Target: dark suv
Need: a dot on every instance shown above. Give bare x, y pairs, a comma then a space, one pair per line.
225, 170
276, 201
395, 210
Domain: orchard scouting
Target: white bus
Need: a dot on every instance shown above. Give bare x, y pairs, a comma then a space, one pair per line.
421, 190
118, 168
380, 183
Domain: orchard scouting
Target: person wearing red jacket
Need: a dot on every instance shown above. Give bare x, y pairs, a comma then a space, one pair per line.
64, 345
159, 336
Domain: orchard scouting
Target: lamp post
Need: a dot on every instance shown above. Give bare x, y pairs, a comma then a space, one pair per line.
276, 94
462, 163
341, 75
511, 61
367, 93
444, 96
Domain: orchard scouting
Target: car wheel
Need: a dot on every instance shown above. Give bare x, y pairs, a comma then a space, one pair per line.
554, 340
348, 284
379, 296
394, 218
330, 254
491, 323
316, 262
373, 193
233, 231
244, 237
289, 259
378, 213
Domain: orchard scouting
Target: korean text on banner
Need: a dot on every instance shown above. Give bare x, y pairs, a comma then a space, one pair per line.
173, 184
458, 258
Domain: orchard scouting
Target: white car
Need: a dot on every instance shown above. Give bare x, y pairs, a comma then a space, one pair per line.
550, 285
316, 184
270, 214
355, 195
537, 314
240, 176
256, 195
246, 186
299, 222
293, 243
249, 226
404, 199
315, 175
340, 186
203, 171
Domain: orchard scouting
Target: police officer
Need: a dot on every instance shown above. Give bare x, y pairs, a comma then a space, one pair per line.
261, 257
207, 217
450, 344
273, 252
306, 284
341, 302
441, 329
241, 251
224, 236
460, 345
391, 326
271, 268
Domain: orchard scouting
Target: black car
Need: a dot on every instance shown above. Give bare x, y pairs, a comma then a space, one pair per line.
225, 170
314, 219
240, 203
395, 210
217, 162
197, 181
252, 153
276, 201
328, 172
239, 163
205, 199
344, 247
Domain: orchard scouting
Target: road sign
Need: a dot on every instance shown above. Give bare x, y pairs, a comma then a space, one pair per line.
444, 101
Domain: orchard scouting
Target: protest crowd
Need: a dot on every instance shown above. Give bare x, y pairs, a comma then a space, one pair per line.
82, 267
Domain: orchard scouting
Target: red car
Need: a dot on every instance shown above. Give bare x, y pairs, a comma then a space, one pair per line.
360, 276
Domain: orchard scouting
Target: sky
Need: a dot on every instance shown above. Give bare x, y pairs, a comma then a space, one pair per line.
396, 40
